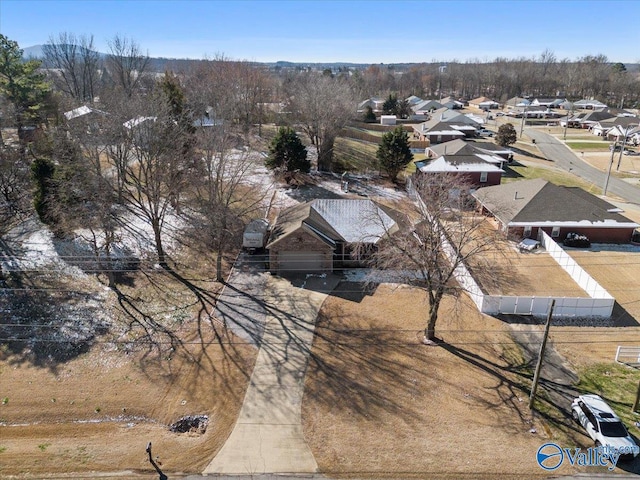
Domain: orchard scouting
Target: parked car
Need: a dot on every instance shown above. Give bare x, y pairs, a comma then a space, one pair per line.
483, 132
603, 425
631, 152
576, 240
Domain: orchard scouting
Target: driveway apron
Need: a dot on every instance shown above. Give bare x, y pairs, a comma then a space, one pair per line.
268, 437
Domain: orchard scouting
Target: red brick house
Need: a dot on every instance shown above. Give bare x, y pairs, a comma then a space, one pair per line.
524, 207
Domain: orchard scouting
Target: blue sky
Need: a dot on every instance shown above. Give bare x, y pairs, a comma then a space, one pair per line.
373, 31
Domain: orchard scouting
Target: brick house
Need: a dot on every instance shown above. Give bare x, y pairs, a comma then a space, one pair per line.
524, 207
325, 234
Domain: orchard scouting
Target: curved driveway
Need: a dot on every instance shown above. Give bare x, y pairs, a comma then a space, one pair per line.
556, 151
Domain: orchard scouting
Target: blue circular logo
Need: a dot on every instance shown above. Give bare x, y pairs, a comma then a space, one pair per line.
549, 456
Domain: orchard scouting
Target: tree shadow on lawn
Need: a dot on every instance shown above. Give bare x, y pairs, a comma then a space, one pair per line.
48, 328
369, 374
514, 387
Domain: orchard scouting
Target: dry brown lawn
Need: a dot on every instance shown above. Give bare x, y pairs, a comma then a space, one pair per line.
378, 403
618, 273
96, 412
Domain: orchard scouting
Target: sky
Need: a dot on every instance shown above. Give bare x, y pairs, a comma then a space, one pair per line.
365, 31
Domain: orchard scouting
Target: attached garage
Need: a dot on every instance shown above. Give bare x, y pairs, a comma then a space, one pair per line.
301, 261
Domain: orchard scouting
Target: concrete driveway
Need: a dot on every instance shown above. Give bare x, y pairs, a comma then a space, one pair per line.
556, 151
268, 437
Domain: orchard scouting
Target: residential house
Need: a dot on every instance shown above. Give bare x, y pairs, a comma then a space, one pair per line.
413, 100
435, 131
615, 128
451, 103
484, 103
524, 207
517, 102
425, 106
592, 118
326, 234
475, 166
375, 103
548, 102
87, 119
589, 104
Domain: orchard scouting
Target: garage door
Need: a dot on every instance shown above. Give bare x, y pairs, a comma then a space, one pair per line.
300, 261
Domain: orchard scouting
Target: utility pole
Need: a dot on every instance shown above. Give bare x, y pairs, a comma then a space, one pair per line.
606, 180
624, 143
636, 403
536, 375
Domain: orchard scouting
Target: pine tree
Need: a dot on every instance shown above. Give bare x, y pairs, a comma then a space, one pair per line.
394, 153
287, 153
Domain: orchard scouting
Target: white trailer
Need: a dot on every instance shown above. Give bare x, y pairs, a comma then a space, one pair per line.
255, 235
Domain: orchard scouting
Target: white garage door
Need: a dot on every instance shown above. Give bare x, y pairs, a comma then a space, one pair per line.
300, 261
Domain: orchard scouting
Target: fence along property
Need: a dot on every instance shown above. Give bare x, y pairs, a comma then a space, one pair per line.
628, 356
600, 304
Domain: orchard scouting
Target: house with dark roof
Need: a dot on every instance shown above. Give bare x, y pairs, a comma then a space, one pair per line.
475, 166
327, 233
523, 208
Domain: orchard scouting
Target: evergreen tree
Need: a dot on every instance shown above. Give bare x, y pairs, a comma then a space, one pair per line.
287, 153
390, 105
506, 135
394, 153
369, 116
21, 83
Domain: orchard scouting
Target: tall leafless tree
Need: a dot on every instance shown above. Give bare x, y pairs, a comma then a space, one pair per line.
126, 63
442, 234
74, 64
322, 106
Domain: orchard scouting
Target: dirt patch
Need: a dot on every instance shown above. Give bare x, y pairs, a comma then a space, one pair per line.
453, 411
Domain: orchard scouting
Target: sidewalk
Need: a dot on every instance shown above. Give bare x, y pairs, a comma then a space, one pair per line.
268, 437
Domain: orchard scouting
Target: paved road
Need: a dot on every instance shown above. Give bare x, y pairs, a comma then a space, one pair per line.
554, 150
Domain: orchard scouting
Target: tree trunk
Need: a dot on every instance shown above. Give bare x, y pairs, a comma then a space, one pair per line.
434, 306
162, 260
219, 277
325, 154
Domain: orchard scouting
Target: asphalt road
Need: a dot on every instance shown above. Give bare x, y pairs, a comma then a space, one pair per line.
564, 158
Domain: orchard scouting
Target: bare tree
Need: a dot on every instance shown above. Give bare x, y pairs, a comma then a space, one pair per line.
126, 63
154, 165
74, 64
225, 195
442, 235
322, 106
14, 187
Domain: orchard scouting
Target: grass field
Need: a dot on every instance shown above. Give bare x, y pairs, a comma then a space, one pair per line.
588, 145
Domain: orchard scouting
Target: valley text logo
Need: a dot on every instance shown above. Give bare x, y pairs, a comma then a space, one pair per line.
550, 456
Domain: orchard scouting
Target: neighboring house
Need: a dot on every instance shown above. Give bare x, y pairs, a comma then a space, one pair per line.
447, 115
375, 103
591, 118
208, 119
84, 112
475, 166
548, 102
517, 102
413, 100
451, 103
589, 104
524, 207
484, 103
615, 127
434, 131
327, 233
425, 106
86, 118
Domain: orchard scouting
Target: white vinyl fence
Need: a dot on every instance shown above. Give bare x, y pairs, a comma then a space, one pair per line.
600, 304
